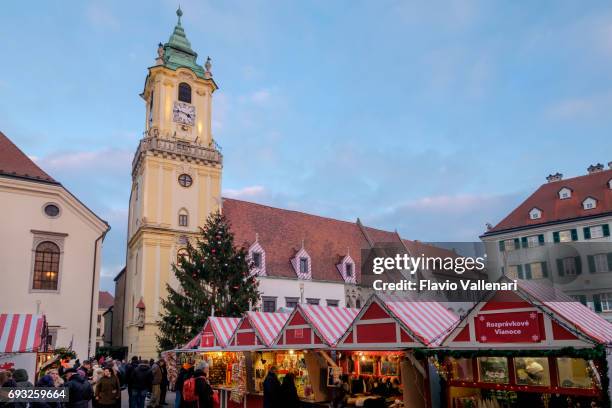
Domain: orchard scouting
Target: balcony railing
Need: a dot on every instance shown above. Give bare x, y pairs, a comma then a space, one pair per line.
178, 147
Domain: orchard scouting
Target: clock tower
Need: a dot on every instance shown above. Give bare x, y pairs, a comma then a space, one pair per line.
176, 183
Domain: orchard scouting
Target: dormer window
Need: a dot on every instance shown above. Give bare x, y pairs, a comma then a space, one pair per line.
565, 193
256, 259
589, 203
302, 264
346, 268
610, 184
184, 92
257, 256
535, 213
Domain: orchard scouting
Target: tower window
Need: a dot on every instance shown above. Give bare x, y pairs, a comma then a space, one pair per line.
348, 269
257, 259
46, 266
303, 265
185, 180
183, 218
52, 210
184, 92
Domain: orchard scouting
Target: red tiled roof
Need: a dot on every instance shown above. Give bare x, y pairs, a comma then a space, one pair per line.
281, 233
15, 163
105, 300
546, 198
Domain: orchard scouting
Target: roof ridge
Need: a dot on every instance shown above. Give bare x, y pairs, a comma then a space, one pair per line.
21, 156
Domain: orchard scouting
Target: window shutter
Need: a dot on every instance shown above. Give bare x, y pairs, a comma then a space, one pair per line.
578, 262
597, 303
501, 246
583, 299
556, 238
545, 269
591, 261
517, 245
560, 270
519, 271
527, 271
541, 239
587, 232
609, 261
574, 234
606, 230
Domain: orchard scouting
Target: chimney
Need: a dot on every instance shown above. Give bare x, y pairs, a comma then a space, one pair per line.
554, 177
595, 168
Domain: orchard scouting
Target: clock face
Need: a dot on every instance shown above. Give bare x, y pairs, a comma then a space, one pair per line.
183, 113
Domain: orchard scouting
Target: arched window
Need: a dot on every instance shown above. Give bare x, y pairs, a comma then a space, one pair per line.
183, 218
184, 92
46, 266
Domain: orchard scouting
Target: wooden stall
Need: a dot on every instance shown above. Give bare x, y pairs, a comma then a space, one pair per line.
23, 342
374, 353
533, 347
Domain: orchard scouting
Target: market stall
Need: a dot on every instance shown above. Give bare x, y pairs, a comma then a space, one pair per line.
302, 347
374, 352
22, 342
532, 347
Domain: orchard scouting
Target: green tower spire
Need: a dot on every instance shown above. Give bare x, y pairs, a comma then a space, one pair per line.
178, 52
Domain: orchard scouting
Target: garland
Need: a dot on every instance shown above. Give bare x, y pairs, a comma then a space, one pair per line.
597, 354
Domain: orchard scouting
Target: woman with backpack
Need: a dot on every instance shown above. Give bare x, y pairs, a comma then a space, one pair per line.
185, 373
203, 390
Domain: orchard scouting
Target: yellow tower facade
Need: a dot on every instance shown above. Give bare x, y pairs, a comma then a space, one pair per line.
176, 183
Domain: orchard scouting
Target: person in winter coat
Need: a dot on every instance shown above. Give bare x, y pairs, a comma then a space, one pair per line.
21, 378
108, 389
164, 383
129, 370
141, 382
45, 381
155, 385
271, 387
203, 390
79, 389
289, 394
183, 375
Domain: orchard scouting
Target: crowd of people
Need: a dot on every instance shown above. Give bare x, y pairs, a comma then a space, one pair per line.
97, 383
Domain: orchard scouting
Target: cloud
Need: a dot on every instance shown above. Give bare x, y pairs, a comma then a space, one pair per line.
245, 193
107, 159
100, 16
580, 107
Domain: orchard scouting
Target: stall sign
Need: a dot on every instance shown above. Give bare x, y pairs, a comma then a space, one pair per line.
517, 327
20, 360
208, 340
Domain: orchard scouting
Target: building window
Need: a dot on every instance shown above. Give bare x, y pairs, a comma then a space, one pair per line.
313, 301
99, 318
597, 232
46, 266
151, 110
291, 302
533, 241
98, 332
569, 266
565, 236
589, 203
513, 272
256, 259
508, 245
606, 302
600, 262
348, 269
184, 92
536, 270
52, 210
303, 265
333, 302
185, 180
580, 298
535, 213
269, 304
183, 218
565, 193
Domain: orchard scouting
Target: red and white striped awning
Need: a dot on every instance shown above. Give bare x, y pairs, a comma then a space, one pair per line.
430, 322
574, 312
330, 321
267, 325
193, 343
21, 333
223, 328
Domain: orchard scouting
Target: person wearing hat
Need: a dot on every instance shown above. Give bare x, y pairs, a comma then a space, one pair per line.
79, 389
185, 373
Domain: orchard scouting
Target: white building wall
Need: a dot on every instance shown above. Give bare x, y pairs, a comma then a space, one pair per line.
69, 309
282, 288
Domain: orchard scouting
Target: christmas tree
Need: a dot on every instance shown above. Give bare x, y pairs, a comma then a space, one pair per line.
211, 273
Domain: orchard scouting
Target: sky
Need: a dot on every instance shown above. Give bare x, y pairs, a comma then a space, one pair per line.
432, 118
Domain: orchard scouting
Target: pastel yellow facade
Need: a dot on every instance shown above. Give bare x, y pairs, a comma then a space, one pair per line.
176, 184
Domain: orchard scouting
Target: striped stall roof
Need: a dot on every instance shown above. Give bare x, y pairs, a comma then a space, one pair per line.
330, 321
577, 314
430, 322
193, 343
223, 328
267, 325
21, 333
